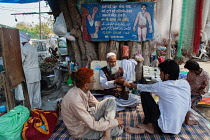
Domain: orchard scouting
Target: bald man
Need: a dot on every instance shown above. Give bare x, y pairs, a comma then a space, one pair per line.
112, 80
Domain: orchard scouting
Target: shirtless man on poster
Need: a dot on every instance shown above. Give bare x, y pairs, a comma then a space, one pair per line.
142, 18
94, 26
90, 23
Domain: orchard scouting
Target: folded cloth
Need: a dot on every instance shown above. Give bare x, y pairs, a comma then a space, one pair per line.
205, 101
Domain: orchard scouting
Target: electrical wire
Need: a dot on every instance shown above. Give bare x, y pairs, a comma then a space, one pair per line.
2, 8
10, 10
21, 8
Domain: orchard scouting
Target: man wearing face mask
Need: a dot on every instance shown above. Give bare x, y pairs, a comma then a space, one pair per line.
112, 80
31, 70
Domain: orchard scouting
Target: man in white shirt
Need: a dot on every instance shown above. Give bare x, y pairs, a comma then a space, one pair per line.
111, 78
174, 102
31, 70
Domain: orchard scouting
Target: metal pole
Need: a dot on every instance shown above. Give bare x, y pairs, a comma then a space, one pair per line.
168, 51
40, 26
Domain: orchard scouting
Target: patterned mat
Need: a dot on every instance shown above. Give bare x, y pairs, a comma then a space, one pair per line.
134, 116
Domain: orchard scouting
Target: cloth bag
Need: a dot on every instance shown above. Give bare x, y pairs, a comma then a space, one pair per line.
19, 93
11, 123
40, 125
139, 57
125, 51
160, 59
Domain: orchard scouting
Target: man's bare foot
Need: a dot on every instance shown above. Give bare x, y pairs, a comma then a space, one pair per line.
105, 138
133, 130
106, 135
191, 122
147, 127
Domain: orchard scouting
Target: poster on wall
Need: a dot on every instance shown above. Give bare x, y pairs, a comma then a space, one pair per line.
118, 21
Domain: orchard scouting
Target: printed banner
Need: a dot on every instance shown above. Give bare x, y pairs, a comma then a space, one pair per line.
119, 21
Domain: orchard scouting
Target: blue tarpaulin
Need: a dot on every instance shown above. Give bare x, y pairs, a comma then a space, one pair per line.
19, 1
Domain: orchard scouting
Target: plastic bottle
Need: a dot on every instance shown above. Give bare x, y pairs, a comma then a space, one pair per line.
76, 67
69, 67
72, 66
68, 59
69, 81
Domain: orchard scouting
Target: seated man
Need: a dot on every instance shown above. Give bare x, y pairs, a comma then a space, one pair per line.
174, 102
111, 79
198, 80
84, 116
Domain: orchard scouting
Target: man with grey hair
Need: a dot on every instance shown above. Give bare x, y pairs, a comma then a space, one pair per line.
112, 80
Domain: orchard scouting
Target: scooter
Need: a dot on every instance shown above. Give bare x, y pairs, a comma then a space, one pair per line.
202, 55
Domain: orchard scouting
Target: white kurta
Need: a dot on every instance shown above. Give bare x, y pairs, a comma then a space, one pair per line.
174, 103
133, 100
32, 74
129, 68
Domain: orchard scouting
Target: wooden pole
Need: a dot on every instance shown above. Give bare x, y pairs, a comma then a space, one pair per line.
168, 50
8, 94
40, 26
26, 96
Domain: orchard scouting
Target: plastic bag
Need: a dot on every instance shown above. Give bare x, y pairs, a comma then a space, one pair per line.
160, 59
19, 93
59, 27
69, 37
12, 123
139, 57
125, 51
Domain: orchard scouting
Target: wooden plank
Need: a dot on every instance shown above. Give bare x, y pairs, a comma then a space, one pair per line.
1, 82
13, 75
0, 47
26, 96
11, 52
8, 93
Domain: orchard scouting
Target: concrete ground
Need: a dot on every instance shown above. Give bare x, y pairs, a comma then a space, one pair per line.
51, 97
